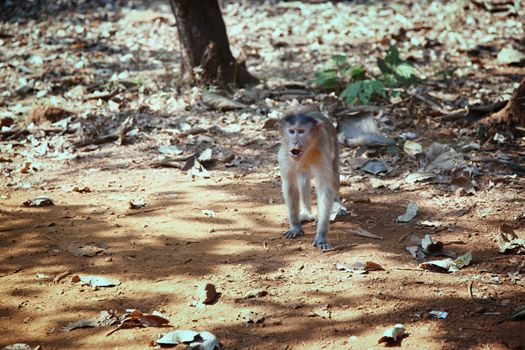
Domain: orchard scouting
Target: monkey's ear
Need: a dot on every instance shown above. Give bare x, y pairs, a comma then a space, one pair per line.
318, 126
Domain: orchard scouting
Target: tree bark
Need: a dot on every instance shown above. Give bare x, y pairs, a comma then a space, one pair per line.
204, 43
513, 114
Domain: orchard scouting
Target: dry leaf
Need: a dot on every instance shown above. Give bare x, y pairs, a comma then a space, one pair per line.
38, 202
393, 335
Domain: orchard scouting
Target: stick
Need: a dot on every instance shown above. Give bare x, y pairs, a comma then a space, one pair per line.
512, 165
120, 135
402, 238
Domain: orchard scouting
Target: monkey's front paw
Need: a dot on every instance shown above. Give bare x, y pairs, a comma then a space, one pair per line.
305, 216
293, 232
322, 245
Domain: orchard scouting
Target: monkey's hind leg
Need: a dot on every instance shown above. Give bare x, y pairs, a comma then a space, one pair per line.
325, 199
305, 213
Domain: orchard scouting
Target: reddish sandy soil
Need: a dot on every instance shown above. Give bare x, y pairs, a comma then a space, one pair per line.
163, 252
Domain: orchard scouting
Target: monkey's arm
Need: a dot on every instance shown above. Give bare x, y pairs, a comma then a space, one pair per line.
290, 190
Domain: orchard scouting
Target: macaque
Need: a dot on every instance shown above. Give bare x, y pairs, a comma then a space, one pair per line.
309, 147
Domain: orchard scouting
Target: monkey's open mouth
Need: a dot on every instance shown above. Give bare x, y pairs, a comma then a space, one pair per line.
296, 153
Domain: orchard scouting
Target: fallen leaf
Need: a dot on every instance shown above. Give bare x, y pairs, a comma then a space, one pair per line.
86, 249
447, 265
509, 55
19, 346
439, 314
322, 311
359, 129
412, 148
374, 166
38, 202
376, 183
206, 155
352, 269
410, 213
431, 223
105, 318
219, 102
509, 241
517, 314
41, 114
209, 213
95, 281
462, 182
195, 340
25, 169
364, 233
359, 267
444, 157
372, 266
169, 149
137, 203
78, 189
419, 177
337, 210
393, 335
258, 293
136, 318
250, 316
194, 168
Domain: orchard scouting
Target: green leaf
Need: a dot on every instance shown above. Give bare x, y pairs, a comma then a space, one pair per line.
404, 70
378, 87
383, 66
338, 59
392, 56
354, 72
351, 92
327, 79
367, 89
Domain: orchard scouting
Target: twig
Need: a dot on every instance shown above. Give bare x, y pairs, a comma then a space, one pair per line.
120, 135
402, 238
166, 164
512, 165
479, 301
60, 276
454, 115
471, 293
144, 211
434, 105
194, 131
104, 96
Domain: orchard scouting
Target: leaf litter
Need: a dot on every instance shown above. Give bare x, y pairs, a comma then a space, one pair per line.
320, 35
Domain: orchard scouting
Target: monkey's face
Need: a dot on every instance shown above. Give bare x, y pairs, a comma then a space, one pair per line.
298, 139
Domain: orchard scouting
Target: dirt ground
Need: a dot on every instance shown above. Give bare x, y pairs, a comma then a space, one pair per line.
163, 252
226, 230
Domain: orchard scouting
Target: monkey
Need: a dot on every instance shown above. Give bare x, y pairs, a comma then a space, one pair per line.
309, 146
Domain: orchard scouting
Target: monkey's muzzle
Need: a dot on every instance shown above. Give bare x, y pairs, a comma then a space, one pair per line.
296, 153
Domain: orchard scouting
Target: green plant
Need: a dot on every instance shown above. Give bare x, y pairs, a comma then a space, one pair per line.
353, 84
363, 90
395, 70
338, 73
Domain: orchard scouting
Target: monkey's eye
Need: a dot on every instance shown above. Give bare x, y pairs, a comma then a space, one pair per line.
300, 131
291, 131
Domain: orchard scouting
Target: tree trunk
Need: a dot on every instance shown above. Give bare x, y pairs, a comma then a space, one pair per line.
204, 43
513, 114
